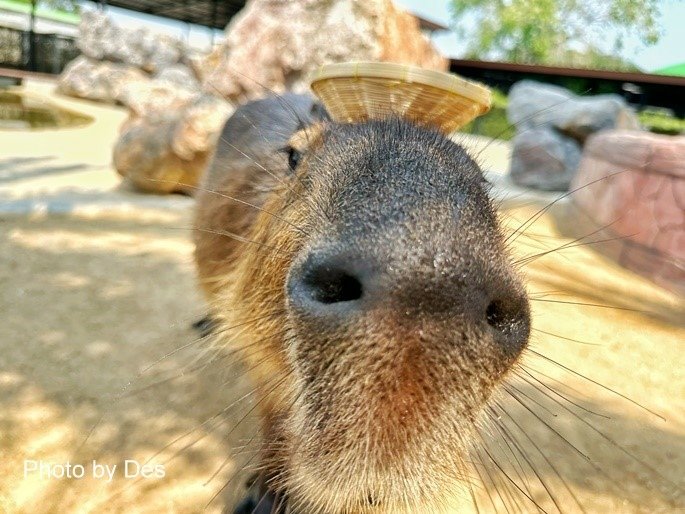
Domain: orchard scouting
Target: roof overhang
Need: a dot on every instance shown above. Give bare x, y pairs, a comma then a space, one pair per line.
210, 13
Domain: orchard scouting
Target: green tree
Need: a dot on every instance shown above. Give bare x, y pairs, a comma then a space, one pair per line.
57, 5
544, 31
61, 5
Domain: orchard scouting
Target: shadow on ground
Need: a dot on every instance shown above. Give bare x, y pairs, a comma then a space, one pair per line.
88, 307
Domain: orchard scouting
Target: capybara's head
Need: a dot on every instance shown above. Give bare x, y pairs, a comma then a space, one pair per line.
378, 311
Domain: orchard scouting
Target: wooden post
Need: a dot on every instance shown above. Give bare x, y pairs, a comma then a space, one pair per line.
32, 64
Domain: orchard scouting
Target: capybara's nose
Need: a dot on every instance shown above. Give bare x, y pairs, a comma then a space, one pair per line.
332, 285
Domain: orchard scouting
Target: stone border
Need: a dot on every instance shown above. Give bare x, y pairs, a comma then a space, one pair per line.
631, 187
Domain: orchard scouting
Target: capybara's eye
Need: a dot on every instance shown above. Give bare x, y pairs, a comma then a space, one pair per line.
293, 154
293, 158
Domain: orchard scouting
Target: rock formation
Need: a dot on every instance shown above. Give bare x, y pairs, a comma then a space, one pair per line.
102, 40
113, 57
178, 103
552, 125
165, 144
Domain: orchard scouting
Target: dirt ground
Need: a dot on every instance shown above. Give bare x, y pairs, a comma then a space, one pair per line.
91, 303
88, 305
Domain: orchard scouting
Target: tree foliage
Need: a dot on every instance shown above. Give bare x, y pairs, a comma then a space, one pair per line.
57, 5
61, 5
544, 31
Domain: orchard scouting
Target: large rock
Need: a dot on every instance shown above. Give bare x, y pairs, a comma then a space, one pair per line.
533, 104
632, 186
584, 116
179, 75
98, 80
544, 159
167, 150
274, 45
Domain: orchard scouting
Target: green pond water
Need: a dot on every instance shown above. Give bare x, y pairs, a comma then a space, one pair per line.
18, 112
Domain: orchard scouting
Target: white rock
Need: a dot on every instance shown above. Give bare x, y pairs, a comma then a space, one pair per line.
99, 80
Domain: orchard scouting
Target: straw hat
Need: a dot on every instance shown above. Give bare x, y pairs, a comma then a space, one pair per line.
359, 91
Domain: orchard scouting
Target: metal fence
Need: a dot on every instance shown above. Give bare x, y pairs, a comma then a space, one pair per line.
639, 89
45, 53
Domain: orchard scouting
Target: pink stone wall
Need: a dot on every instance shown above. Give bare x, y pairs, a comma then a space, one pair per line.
632, 184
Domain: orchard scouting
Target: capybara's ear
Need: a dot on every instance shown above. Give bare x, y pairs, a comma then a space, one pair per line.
306, 138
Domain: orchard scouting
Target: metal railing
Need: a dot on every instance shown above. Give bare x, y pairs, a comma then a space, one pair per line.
45, 53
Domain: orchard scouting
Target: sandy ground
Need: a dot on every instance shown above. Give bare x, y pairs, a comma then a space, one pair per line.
98, 361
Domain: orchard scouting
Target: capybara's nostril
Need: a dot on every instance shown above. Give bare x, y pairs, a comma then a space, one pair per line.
509, 319
331, 285
496, 315
323, 280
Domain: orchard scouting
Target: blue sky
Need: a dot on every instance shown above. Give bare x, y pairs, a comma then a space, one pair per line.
669, 50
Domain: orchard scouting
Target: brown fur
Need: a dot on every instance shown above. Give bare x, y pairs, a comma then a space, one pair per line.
374, 414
